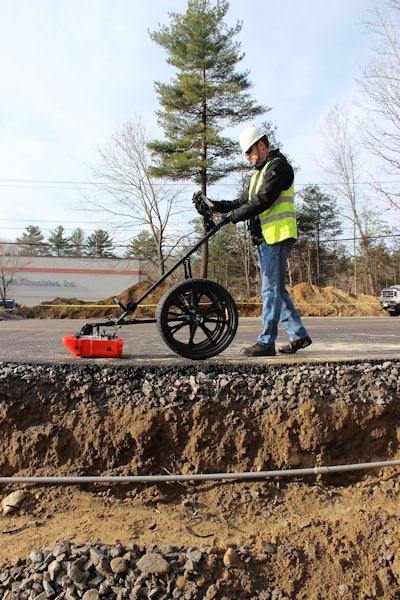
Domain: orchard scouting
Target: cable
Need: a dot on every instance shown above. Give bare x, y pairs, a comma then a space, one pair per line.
322, 470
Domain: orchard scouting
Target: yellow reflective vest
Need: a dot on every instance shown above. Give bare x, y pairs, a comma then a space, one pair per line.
278, 222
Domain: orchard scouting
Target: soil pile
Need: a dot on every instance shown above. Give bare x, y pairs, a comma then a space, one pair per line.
315, 536
310, 300
74, 308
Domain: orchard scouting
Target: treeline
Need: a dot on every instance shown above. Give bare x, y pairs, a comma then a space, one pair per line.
322, 262
321, 257
98, 244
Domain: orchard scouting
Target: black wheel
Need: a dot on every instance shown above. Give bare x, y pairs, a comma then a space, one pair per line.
197, 318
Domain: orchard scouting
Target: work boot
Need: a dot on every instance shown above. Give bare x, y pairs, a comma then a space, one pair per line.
259, 350
295, 345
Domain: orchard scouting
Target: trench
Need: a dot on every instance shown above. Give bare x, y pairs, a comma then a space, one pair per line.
93, 418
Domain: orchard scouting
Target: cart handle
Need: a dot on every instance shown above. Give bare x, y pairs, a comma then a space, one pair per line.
131, 306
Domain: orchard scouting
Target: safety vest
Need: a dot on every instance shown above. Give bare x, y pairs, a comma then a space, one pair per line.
278, 222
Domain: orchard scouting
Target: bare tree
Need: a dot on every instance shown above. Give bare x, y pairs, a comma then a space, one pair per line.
128, 193
342, 171
380, 99
10, 263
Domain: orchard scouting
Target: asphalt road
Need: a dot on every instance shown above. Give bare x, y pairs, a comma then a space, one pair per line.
334, 339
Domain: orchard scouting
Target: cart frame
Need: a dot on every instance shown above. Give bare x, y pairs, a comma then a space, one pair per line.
197, 318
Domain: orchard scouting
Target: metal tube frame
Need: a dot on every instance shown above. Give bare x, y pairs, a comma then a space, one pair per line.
132, 305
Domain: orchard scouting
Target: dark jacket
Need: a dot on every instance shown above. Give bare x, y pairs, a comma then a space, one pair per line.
277, 177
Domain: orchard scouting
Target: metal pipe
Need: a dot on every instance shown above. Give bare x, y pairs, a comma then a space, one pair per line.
199, 477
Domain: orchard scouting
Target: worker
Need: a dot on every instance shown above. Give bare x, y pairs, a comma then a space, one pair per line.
267, 206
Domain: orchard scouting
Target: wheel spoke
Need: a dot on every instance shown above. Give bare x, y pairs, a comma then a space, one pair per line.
178, 326
207, 333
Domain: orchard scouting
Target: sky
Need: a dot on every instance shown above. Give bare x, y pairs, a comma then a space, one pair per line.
73, 71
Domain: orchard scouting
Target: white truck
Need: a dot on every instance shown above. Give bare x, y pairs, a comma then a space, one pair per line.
390, 300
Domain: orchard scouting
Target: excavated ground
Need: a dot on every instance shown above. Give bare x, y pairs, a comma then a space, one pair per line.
310, 537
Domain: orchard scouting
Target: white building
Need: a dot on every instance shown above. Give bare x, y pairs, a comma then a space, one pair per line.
40, 279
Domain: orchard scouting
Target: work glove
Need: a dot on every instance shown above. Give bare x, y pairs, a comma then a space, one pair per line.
232, 217
202, 204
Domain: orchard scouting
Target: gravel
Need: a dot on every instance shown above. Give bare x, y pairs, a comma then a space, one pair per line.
95, 570
6, 315
359, 382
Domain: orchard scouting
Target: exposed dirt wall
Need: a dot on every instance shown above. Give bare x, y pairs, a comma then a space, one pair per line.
311, 537
101, 418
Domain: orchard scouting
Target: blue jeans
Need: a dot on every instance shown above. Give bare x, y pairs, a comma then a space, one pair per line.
277, 303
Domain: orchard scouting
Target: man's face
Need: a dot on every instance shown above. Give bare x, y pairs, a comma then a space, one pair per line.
257, 152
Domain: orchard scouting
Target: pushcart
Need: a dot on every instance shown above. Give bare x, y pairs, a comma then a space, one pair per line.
197, 318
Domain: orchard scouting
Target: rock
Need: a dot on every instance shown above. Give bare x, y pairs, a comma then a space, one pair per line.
180, 582
61, 548
343, 590
12, 502
100, 561
48, 588
153, 563
231, 559
54, 568
212, 592
77, 576
92, 594
36, 557
269, 548
119, 565
194, 555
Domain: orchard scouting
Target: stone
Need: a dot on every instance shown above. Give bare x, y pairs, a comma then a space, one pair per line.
100, 561
194, 555
48, 588
153, 563
119, 565
12, 502
384, 577
78, 577
36, 557
231, 559
92, 594
180, 582
53, 568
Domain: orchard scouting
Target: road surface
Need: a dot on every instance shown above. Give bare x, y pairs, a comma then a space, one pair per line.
334, 339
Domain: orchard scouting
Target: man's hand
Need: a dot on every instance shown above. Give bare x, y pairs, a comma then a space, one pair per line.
202, 204
232, 217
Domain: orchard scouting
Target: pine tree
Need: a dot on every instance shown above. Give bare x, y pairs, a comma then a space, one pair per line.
142, 246
31, 242
99, 244
77, 242
207, 95
318, 226
58, 242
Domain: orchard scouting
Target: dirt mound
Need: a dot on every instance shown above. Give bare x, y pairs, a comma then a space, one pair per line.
313, 301
73, 308
310, 300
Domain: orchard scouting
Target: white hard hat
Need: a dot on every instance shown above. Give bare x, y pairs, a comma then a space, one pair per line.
248, 137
